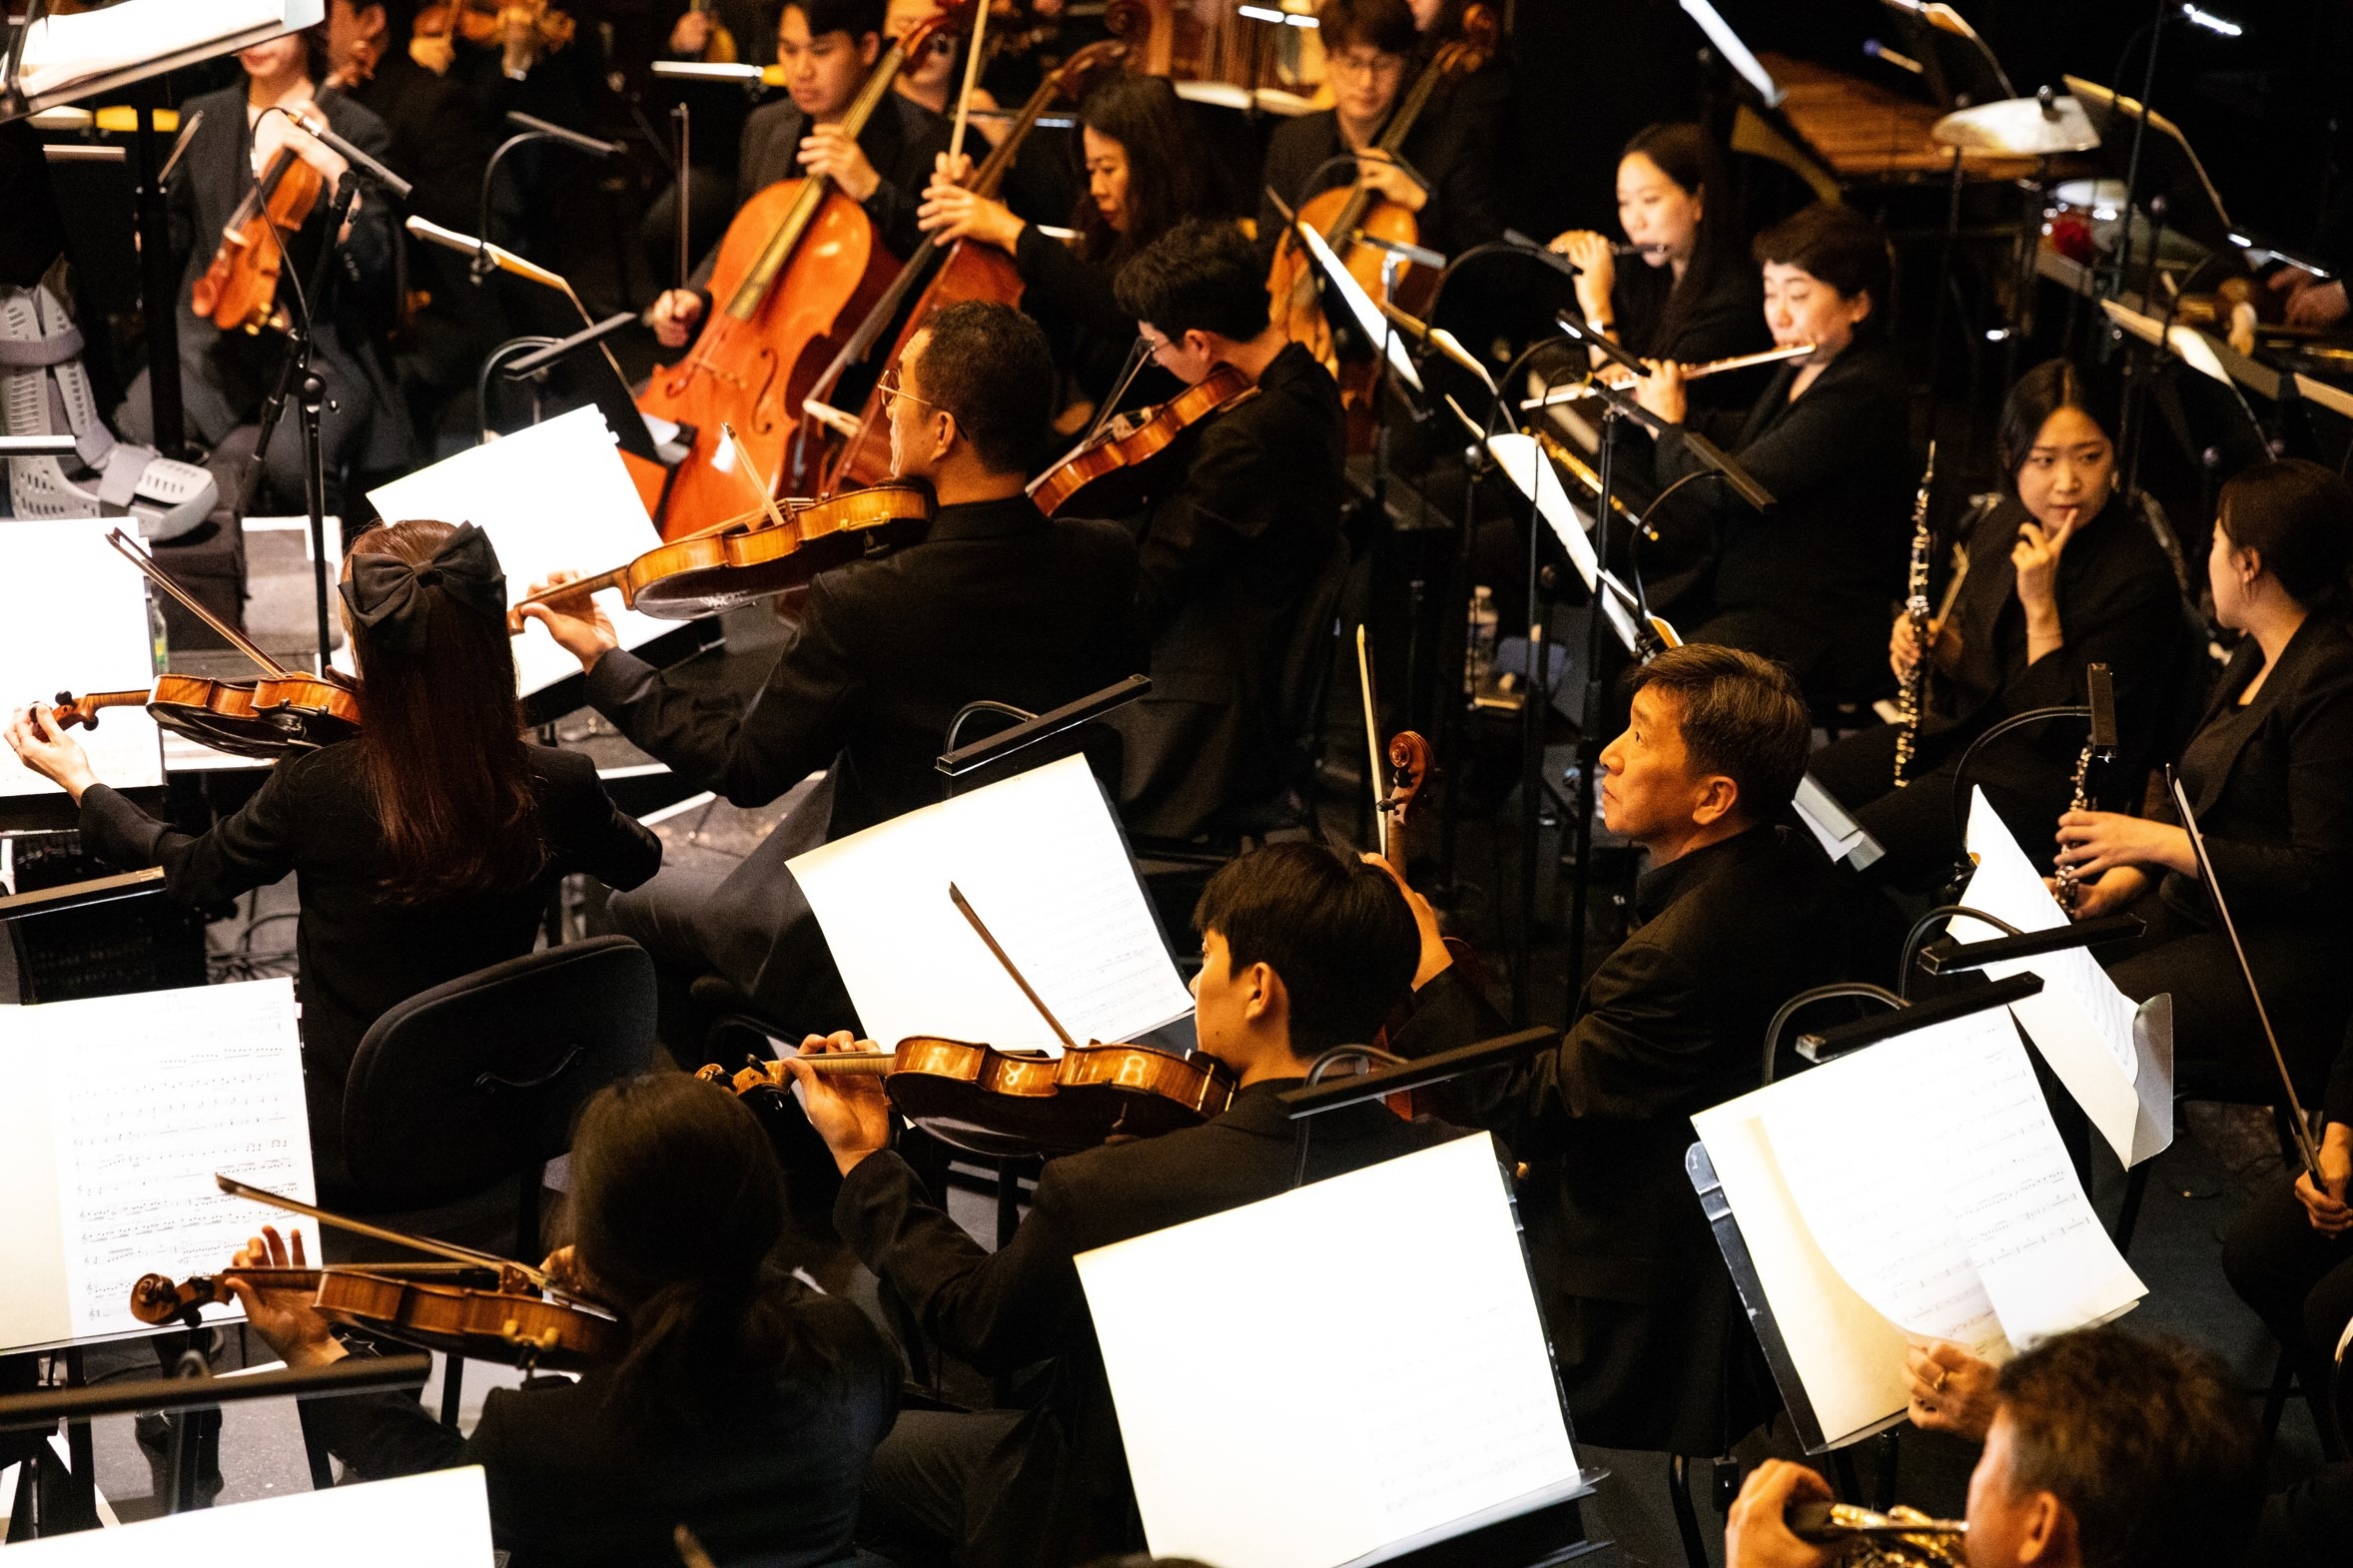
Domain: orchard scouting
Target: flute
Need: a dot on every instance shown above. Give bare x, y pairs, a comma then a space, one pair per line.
1618, 377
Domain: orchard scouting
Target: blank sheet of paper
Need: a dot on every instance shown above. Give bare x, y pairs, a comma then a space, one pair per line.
2080, 1021
1417, 1393
552, 497
1040, 858
148, 1094
441, 1517
82, 629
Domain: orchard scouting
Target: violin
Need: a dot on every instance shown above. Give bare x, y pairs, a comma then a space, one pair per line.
512, 1322
797, 261
1002, 1105
1347, 213
524, 29
972, 271
156, 1299
753, 556
239, 291
264, 719
1118, 447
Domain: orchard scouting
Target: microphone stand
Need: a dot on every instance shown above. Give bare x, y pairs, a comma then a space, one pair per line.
296, 378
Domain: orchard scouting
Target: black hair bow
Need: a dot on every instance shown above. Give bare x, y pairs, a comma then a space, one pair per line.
385, 595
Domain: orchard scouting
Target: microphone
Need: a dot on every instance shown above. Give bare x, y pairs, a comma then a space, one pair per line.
2102, 683
586, 144
317, 125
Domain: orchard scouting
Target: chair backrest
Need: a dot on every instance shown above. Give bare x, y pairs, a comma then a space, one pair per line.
1310, 649
480, 1079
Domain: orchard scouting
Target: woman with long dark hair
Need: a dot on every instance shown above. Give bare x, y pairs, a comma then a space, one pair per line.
1691, 296
1134, 133
422, 850
2057, 571
744, 1406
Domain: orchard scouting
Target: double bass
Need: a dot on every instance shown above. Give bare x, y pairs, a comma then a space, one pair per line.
798, 262
1344, 214
972, 271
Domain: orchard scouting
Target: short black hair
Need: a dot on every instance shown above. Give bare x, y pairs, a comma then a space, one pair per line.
1201, 275
855, 17
2041, 393
2299, 516
1739, 715
990, 367
1335, 927
2144, 1440
1837, 245
1387, 25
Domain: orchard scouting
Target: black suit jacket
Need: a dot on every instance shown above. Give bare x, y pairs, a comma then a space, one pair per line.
2276, 803
213, 177
360, 954
900, 139
574, 1480
1455, 152
1826, 558
1673, 1021
996, 603
2119, 605
1056, 1492
1232, 558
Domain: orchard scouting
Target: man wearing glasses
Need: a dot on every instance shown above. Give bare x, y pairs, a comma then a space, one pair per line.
1240, 554
1369, 59
992, 601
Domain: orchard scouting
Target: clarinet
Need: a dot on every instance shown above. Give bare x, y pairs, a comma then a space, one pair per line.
2063, 874
1913, 697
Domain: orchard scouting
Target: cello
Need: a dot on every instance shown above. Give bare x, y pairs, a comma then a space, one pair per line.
1346, 213
799, 260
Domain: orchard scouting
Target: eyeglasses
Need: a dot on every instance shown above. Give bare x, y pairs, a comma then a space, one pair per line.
1369, 62
892, 392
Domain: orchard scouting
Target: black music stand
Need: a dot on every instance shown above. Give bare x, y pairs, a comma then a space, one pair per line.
536, 359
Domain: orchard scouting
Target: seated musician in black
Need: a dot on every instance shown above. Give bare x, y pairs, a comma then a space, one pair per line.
1692, 294
422, 850
1236, 552
1808, 581
744, 1406
1737, 914
1370, 52
1301, 951
2064, 570
826, 48
2270, 775
1144, 176
227, 374
991, 602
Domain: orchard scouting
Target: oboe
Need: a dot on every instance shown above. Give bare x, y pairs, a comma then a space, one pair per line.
2063, 874
1914, 698
2100, 686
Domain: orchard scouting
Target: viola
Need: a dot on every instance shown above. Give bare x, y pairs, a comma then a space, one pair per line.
239, 289
1002, 1105
751, 557
512, 1322
972, 271
1106, 463
1344, 215
798, 261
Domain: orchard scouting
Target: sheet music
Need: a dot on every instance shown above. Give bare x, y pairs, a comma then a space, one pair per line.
1369, 321
1344, 1443
2080, 1021
67, 49
86, 630
1040, 858
552, 497
149, 1094
1522, 459
441, 1517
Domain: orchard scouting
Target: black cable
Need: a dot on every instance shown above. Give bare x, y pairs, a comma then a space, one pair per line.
1850, 988
1911, 938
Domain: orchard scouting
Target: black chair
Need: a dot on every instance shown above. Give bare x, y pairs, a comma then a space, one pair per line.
479, 1081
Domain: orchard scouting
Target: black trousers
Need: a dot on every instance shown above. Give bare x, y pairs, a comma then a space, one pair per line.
2298, 1282
912, 1507
1915, 824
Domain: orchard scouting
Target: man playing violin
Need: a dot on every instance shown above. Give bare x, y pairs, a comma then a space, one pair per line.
992, 601
1301, 951
826, 48
1239, 547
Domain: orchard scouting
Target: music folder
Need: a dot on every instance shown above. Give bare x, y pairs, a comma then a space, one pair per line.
1411, 1402
440, 1517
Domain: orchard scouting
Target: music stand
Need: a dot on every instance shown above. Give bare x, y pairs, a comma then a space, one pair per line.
2169, 168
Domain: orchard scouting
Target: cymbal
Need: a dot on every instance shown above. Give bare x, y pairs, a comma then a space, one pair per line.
2018, 127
